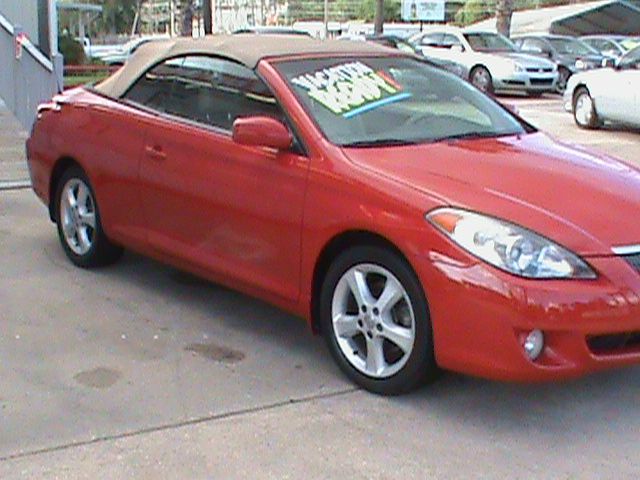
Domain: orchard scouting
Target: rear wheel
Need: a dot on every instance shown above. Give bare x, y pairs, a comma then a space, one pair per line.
584, 110
481, 79
78, 221
375, 320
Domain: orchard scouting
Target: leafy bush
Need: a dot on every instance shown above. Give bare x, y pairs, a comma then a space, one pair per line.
71, 50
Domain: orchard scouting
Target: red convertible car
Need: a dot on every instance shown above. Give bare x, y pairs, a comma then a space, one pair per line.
415, 222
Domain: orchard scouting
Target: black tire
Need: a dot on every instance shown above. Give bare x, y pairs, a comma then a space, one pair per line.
563, 78
478, 73
593, 121
102, 251
420, 367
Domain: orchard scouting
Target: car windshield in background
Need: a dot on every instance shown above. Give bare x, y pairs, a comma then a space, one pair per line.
568, 46
489, 42
361, 102
629, 43
631, 59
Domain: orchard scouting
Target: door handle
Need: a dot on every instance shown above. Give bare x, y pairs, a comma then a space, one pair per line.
155, 152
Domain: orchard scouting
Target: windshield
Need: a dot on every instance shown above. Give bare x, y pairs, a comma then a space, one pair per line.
571, 46
489, 42
629, 43
631, 59
372, 101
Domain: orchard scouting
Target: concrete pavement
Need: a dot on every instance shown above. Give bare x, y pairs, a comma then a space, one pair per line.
13, 168
140, 371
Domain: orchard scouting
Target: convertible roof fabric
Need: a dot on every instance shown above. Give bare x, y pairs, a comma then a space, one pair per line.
247, 49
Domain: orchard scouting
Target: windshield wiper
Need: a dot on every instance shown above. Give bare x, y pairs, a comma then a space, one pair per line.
386, 142
462, 136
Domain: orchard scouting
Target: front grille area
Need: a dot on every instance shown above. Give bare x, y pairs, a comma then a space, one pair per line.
633, 260
540, 70
615, 343
541, 81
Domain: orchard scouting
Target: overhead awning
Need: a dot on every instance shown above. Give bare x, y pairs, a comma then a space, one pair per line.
620, 17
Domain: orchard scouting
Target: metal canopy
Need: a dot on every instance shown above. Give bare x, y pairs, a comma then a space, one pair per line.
609, 16
616, 17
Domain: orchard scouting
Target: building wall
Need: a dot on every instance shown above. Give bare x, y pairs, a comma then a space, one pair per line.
25, 14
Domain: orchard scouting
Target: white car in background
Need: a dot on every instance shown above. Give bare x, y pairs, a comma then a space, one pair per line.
122, 53
492, 60
607, 94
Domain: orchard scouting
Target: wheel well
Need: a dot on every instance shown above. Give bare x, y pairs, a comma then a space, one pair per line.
59, 168
337, 245
577, 88
479, 65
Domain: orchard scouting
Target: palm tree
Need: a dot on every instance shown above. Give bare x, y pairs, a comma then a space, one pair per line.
187, 18
504, 11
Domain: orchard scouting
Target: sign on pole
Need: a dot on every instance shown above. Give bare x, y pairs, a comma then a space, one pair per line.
423, 10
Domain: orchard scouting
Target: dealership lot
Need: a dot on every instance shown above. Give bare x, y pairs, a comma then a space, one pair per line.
141, 371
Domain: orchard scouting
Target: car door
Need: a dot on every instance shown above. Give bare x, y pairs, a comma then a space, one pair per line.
229, 209
616, 94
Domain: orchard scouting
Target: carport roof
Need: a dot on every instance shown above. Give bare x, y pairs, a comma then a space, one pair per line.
609, 16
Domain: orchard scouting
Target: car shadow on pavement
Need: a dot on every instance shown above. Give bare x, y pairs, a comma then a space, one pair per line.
602, 400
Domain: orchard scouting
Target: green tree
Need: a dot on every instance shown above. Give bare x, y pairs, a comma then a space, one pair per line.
367, 10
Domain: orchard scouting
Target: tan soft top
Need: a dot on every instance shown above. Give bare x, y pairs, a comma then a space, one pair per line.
247, 49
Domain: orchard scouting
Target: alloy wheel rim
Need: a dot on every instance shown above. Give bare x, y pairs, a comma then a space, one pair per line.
78, 216
481, 80
373, 320
584, 109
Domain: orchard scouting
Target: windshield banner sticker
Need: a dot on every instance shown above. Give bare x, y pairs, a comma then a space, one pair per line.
351, 88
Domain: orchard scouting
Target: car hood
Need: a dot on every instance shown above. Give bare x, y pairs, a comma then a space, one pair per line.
580, 200
525, 59
590, 58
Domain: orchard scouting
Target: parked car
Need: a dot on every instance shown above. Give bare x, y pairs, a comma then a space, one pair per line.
413, 221
493, 62
398, 43
274, 30
613, 46
121, 54
570, 54
607, 94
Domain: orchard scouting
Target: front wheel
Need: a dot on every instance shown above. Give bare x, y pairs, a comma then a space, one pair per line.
375, 320
584, 110
481, 78
563, 79
78, 222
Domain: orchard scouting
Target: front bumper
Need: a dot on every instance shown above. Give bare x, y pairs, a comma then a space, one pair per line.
481, 315
526, 82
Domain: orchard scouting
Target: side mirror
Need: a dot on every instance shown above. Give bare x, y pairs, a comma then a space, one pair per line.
261, 132
457, 48
548, 53
608, 62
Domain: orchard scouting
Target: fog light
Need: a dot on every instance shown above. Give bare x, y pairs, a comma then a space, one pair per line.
533, 344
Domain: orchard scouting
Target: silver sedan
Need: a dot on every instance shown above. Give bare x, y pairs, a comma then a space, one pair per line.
493, 61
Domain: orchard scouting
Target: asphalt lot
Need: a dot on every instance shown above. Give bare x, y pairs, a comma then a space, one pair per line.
140, 371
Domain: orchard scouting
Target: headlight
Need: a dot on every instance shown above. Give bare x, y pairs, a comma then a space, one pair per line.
580, 64
507, 246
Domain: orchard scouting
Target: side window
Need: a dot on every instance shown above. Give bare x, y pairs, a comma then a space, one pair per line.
431, 40
208, 90
449, 41
155, 87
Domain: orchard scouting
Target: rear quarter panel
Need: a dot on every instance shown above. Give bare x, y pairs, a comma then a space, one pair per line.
105, 138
